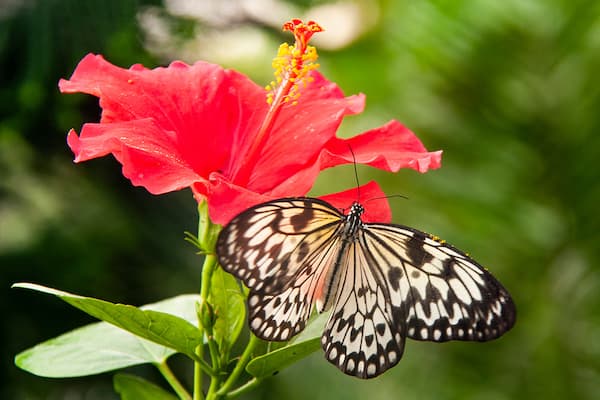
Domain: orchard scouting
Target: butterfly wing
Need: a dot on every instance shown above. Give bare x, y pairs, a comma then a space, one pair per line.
446, 294
281, 250
364, 335
398, 282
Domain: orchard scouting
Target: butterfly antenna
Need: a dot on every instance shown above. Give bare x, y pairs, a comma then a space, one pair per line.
391, 196
355, 173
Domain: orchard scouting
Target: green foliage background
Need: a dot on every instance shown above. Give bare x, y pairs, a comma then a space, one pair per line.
509, 90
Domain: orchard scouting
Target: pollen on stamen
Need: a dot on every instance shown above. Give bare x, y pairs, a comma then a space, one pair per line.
293, 64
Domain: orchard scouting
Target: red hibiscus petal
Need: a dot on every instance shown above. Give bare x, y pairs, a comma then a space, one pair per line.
377, 208
298, 184
301, 131
155, 174
149, 155
226, 199
204, 106
389, 147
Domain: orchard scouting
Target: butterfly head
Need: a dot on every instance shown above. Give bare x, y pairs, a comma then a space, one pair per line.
356, 210
352, 221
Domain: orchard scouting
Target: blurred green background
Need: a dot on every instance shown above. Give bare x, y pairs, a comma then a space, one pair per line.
510, 90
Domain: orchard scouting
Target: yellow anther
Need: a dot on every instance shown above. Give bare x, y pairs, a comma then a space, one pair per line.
293, 63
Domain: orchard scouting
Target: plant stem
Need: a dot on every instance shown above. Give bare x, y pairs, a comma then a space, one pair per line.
164, 369
215, 380
240, 366
198, 378
251, 384
210, 263
203, 365
212, 389
207, 233
207, 270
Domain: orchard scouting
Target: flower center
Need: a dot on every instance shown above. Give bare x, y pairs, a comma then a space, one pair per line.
292, 66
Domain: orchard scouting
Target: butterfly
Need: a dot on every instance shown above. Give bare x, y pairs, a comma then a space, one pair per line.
382, 282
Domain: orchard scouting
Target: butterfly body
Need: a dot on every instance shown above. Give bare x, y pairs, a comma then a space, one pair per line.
349, 226
382, 282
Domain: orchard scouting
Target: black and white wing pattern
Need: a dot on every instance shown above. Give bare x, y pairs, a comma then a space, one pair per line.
446, 294
382, 282
281, 250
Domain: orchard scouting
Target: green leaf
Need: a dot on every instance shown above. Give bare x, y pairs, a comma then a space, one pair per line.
101, 347
229, 309
303, 345
163, 328
132, 387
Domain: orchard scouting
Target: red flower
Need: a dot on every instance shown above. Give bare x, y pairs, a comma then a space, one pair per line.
210, 129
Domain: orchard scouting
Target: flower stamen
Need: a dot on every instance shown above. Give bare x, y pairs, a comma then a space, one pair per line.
293, 63
292, 66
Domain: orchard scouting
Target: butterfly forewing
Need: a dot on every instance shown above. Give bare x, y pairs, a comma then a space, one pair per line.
281, 250
265, 246
383, 282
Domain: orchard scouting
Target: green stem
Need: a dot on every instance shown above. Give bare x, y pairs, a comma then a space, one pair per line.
246, 387
240, 366
209, 267
212, 390
207, 233
164, 369
198, 378
210, 262
203, 366
215, 380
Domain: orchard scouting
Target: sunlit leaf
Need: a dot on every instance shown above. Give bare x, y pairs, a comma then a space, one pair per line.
160, 327
101, 347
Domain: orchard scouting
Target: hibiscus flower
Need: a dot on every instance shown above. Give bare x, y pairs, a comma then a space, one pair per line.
233, 142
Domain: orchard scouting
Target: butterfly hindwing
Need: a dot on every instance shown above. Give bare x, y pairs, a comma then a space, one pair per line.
282, 315
364, 334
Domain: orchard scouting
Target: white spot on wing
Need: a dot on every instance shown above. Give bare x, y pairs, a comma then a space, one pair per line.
460, 291
469, 283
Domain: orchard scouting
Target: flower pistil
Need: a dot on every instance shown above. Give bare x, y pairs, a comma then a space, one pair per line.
292, 66
293, 63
